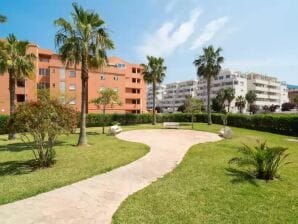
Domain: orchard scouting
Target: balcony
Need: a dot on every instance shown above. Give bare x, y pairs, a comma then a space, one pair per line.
133, 106
133, 95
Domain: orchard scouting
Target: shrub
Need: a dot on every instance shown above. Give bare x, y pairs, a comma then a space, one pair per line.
264, 160
3, 123
287, 106
43, 121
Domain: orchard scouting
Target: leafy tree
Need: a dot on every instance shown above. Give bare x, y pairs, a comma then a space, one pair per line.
221, 98
154, 73
229, 96
192, 105
264, 159
208, 66
43, 121
216, 105
19, 64
240, 103
83, 41
107, 97
251, 97
287, 106
181, 108
3, 19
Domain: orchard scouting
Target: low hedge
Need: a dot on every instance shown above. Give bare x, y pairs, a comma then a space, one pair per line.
275, 123
3, 123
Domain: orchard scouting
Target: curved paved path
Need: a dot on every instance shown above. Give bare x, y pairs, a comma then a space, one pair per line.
95, 200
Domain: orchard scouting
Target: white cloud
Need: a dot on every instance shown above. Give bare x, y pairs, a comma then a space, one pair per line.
168, 37
209, 32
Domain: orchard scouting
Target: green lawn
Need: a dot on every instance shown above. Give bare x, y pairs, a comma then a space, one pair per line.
201, 190
18, 180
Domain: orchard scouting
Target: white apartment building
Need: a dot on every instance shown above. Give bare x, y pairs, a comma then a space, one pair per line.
268, 89
175, 94
159, 93
172, 95
225, 79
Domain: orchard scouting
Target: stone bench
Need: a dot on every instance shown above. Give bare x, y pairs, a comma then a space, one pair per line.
171, 124
115, 129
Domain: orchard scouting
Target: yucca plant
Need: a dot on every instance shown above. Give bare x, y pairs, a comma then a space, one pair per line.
264, 160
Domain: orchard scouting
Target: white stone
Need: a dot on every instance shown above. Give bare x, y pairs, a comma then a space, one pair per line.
115, 129
226, 132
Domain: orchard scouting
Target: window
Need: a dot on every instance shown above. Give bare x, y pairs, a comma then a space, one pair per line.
72, 73
44, 71
220, 77
121, 66
44, 59
62, 87
73, 102
21, 83
43, 85
134, 80
228, 76
62, 74
102, 77
136, 90
20, 98
134, 70
116, 78
136, 101
72, 87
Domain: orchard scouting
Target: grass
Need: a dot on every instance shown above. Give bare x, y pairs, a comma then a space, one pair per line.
205, 189
18, 180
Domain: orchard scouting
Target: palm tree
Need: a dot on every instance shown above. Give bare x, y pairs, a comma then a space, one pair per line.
83, 41
251, 97
240, 103
3, 19
229, 96
107, 97
208, 66
154, 73
18, 64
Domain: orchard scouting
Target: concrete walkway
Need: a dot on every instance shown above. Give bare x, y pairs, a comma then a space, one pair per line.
96, 199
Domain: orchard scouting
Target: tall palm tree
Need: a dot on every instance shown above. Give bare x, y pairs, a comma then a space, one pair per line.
240, 103
251, 97
15, 60
3, 19
84, 41
208, 66
154, 73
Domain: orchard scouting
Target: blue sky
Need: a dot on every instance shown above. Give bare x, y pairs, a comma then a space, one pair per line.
260, 36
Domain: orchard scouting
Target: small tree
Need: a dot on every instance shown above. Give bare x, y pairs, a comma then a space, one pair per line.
229, 96
43, 121
215, 105
240, 103
287, 106
107, 97
251, 97
192, 105
264, 160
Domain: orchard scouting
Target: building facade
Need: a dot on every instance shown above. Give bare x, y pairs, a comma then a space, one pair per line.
65, 83
293, 93
269, 90
225, 79
172, 95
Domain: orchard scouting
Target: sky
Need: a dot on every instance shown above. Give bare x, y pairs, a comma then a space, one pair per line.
256, 36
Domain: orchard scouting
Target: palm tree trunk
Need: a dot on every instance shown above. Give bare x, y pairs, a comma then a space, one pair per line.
84, 78
208, 101
154, 115
192, 119
12, 93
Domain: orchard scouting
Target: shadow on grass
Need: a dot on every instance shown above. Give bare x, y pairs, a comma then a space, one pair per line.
20, 146
17, 167
240, 176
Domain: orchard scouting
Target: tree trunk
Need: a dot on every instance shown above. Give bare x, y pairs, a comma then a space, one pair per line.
192, 118
154, 115
12, 93
104, 119
84, 79
208, 100
229, 104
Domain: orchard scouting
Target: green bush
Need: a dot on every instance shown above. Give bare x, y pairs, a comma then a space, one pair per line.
286, 124
3, 123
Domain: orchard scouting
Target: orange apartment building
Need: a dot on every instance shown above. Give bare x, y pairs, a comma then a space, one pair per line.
65, 83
